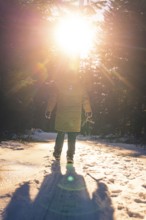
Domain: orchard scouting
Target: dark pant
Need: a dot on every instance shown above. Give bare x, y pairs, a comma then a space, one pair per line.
71, 143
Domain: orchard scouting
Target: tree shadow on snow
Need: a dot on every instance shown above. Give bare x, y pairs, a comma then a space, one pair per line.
128, 149
61, 197
19, 206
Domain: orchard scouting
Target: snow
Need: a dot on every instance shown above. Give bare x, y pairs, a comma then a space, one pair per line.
106, 182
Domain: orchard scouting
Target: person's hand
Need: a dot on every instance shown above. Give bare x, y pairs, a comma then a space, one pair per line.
48, 115
88, 115
89, 119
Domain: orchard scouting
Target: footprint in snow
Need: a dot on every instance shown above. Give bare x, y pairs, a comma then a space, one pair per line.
144, 185
134, 214
140, 201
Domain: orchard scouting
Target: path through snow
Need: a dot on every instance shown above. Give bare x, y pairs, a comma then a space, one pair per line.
106, 182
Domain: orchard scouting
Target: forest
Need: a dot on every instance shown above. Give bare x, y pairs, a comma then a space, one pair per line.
114, 72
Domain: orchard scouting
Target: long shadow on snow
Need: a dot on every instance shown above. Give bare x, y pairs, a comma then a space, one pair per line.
136, 150
19, 206
61, 197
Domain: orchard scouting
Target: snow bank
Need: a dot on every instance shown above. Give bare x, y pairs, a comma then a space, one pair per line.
39, 135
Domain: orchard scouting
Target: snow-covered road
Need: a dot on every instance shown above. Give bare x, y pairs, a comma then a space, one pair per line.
106, 182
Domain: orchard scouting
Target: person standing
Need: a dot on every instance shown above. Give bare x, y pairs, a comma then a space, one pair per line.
70, 98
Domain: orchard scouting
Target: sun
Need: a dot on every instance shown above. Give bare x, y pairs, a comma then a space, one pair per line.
75, 35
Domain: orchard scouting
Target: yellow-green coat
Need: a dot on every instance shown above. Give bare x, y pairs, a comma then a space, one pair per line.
71, 99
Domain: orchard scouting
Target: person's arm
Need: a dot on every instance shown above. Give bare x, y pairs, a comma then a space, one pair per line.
87, 105
51, 103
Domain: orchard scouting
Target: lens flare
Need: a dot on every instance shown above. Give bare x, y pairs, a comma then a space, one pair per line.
70, 178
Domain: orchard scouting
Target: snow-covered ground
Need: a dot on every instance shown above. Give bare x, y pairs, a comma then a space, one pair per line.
106, 182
